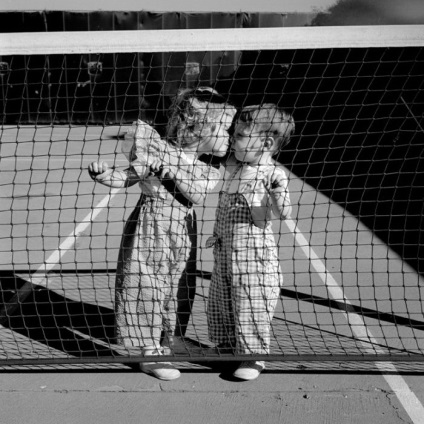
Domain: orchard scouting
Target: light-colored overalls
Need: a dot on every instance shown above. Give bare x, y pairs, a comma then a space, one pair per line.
246, 277
158, 240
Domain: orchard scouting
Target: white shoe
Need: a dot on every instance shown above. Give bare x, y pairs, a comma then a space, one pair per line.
249, 370
160, 370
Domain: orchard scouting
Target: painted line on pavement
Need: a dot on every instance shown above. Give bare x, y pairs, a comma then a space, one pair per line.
39, 276
406, 396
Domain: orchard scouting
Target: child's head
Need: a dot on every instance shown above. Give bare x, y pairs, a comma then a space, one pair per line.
261, 129
199, 120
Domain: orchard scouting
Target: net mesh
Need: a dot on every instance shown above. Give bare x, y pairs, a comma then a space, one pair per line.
351, 255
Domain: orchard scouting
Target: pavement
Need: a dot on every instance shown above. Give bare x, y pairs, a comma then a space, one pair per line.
288, 393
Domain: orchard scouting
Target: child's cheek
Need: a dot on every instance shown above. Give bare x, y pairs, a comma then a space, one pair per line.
206, 130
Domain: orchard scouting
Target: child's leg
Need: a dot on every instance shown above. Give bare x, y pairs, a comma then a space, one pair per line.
138, 312
187, 283
254, 307
180, 247
143, 268
220, 314
255, 290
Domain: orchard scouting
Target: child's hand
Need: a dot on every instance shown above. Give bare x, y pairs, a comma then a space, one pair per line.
155, 166
276, 180
277, 184
211, 241
99, 171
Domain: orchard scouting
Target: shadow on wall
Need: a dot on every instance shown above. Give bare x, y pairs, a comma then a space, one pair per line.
358, 111
49, 318
358, 130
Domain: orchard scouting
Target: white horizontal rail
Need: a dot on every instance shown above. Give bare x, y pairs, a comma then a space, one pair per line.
161, 6
147, 41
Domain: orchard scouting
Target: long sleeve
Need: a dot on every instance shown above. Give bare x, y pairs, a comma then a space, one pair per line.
195, 180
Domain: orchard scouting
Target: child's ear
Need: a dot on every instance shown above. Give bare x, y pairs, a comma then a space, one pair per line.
269, 142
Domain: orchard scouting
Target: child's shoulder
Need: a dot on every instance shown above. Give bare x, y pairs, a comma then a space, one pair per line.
231, 164
230, 161
207, 169
277, 167
210, 160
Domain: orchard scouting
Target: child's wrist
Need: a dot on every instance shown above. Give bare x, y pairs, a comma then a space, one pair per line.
173, 157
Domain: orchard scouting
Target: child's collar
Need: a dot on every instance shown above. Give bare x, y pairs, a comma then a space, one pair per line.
256, 165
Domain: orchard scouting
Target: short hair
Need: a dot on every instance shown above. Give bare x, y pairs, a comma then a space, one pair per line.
187, 105
274, 120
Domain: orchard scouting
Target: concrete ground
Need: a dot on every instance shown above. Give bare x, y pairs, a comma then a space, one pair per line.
294, 393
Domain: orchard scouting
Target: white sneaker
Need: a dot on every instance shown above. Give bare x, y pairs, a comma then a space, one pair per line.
160, 370
249, 370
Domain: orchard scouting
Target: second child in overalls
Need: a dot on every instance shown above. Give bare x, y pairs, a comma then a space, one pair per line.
246, 277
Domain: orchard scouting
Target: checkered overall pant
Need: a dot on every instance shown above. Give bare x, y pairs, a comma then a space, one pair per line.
246, 279
154, 251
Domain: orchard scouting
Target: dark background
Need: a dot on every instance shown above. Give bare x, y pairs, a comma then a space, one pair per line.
358, 112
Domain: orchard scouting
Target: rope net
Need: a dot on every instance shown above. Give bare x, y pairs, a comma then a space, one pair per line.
97, 272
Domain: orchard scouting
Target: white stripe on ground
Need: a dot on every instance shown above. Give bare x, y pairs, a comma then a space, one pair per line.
406, 396
39, 276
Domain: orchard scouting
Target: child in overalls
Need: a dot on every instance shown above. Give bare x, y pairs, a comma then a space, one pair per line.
156, 241
246, 277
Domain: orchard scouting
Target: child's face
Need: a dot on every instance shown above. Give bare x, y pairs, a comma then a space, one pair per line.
218, 142
248, 139
205, 128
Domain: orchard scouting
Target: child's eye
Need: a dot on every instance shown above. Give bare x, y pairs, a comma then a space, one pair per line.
246, 117
188, 117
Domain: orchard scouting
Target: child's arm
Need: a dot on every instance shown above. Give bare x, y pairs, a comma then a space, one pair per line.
143, 147
100, 172
194, 185
277, 185
193, 181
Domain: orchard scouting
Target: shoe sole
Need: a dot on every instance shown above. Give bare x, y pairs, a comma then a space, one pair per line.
154, 374
245, 379
161, 378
